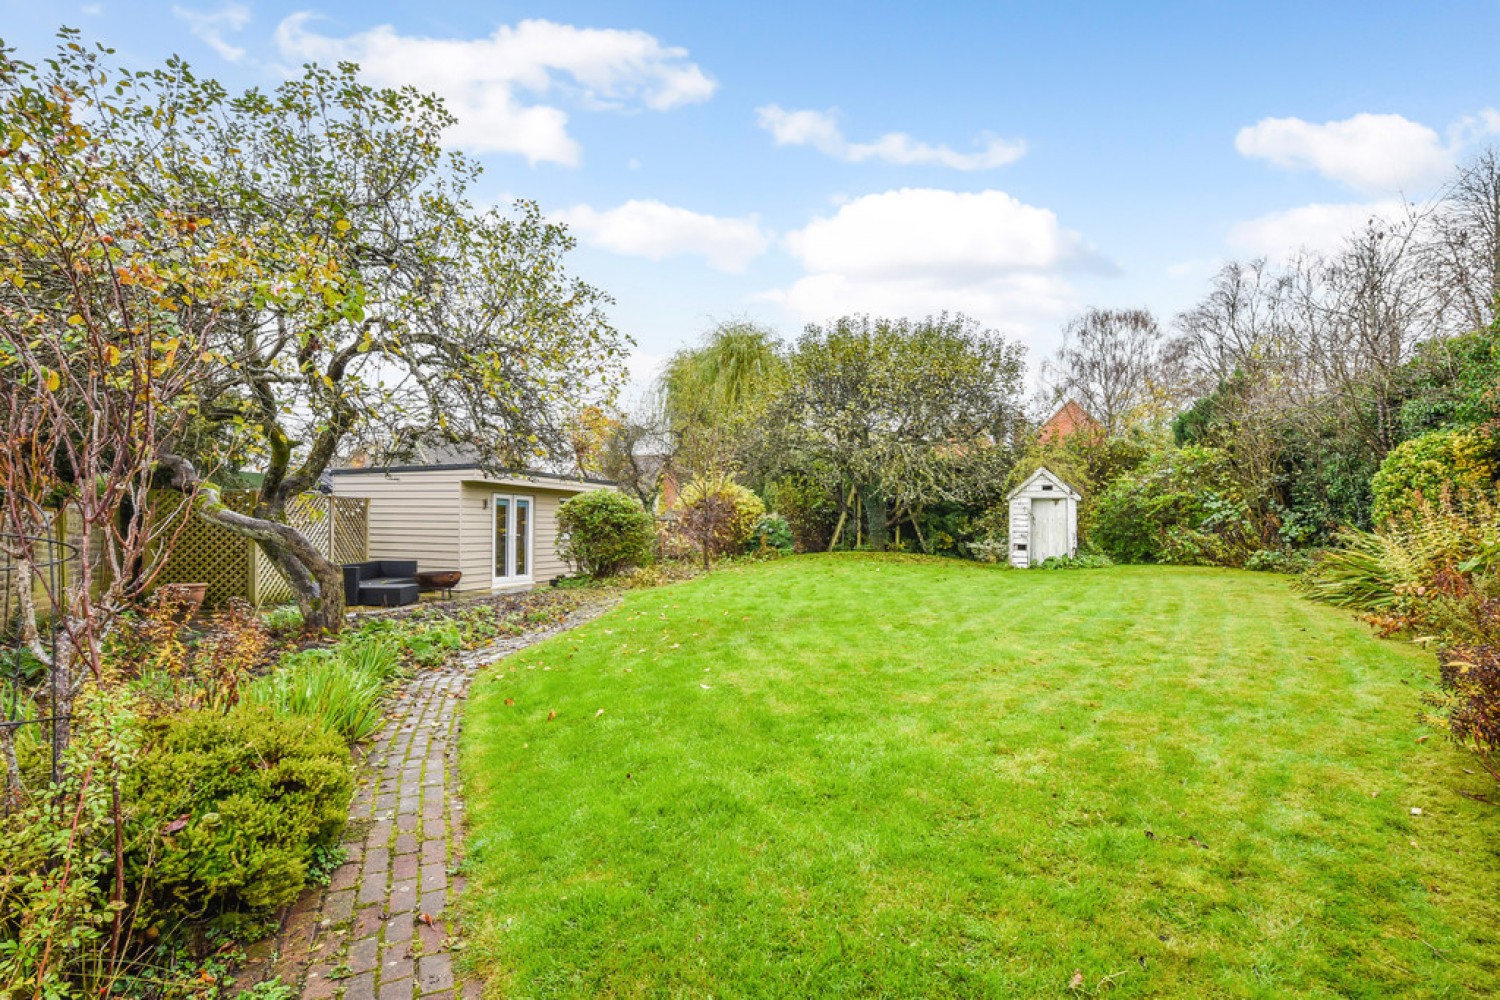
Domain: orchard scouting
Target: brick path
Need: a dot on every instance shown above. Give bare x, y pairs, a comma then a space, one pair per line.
379, 929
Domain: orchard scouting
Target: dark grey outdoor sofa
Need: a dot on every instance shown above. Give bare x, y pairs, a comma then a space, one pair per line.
387, 583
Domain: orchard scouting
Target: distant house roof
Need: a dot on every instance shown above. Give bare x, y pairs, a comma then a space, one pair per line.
1067, 420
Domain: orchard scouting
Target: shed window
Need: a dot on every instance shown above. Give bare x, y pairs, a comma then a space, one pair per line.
1047, 486
1020, 546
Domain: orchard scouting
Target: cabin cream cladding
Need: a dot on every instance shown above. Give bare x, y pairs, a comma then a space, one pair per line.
1043, 520
499, 530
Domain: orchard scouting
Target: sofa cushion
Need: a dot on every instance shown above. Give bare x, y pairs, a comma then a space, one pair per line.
389, 593
353, 573
396, 567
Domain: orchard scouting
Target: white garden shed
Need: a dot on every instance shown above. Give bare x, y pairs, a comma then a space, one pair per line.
1043, 519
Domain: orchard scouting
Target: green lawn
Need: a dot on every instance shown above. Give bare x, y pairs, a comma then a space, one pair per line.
865, 776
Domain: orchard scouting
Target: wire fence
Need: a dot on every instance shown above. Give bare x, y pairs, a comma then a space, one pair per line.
22, 673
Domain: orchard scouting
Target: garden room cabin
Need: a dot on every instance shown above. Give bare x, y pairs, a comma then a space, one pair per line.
1043, 519
500, 530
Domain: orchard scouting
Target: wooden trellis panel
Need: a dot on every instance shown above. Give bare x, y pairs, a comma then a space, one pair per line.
351, 529
206, 553
233, 566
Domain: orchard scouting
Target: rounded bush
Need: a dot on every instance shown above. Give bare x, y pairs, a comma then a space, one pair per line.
604, 532
230, 810
1462, 460
748, 508
772, 532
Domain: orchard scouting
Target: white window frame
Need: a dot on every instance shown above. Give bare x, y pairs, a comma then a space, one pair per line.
510, 531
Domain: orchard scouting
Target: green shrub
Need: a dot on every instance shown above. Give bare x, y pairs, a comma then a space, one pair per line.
990, 549
809, 510
1359, 572
1279, 561
745, 508
605, 532
1460, 461
287, 618
772, 532
56, 853
230, 810
1083, 561
374, 654
1181, 505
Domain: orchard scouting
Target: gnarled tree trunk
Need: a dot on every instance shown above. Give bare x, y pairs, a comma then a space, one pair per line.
317, 584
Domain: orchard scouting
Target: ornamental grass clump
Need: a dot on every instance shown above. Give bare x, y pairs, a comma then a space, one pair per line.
1377, 571
340, 687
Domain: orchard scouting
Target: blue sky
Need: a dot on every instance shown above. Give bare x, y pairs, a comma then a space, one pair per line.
792, 162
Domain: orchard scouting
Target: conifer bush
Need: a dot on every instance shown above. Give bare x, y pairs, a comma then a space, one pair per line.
231, 810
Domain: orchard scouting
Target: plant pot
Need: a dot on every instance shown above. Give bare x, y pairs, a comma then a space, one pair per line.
187, 595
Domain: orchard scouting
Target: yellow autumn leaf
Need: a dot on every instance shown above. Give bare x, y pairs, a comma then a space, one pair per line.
54, 381
342, 225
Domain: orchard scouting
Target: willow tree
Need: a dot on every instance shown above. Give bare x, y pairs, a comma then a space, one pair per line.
903, 412
394, 311
713, 392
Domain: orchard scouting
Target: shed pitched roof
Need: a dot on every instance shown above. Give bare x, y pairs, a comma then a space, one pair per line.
1043, 472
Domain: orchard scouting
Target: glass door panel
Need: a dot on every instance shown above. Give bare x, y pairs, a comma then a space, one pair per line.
502, 537
522, 536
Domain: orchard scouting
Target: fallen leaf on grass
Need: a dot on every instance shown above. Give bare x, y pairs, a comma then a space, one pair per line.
552, 715
1077, 981
510, 701
703, 686
598, 713
426, 919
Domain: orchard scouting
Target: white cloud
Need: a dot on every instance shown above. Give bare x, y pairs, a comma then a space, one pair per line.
93, 9
1318, 228
1475, 127
931, 231
916, 251
209, 27
1375, 154
656, 231
820, 129
490, 83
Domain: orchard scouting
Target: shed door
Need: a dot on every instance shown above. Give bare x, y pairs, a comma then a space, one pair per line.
1049, 529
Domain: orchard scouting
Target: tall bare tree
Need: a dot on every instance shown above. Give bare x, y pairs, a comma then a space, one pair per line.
1114, 363
1465, 248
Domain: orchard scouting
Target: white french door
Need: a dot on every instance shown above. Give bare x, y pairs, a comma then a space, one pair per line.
510, 554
